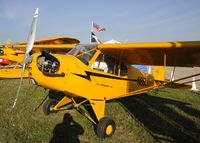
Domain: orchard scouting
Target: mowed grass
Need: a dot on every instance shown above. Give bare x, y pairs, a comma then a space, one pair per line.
166, 115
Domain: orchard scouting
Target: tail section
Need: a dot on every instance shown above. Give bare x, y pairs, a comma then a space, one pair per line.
159, 73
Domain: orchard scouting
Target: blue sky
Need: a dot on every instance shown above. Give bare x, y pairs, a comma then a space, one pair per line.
124, 20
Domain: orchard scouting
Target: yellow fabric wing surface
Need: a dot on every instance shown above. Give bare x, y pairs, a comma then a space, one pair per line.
57, 48
59, 44
183, 54
54, 40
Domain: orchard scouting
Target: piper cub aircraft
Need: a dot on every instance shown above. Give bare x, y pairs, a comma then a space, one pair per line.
89, 75
11, 55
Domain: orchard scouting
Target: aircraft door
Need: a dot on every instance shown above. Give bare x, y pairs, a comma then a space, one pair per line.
109, 75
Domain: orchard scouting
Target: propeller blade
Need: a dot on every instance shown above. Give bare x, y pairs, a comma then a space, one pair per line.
29, 46
32, 32
19, 88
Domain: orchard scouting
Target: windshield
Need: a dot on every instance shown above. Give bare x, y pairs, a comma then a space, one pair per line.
83, 52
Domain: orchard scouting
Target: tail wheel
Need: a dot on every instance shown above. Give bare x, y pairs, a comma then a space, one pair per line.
48, 106
106, 127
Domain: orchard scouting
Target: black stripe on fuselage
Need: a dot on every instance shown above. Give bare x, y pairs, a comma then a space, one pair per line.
89, 74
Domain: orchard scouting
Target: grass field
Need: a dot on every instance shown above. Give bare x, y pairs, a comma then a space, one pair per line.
167, 115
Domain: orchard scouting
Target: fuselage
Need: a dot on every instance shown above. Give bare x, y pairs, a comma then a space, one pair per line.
88, 73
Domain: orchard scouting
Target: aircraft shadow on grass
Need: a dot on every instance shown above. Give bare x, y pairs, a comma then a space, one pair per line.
160, 120
67, 131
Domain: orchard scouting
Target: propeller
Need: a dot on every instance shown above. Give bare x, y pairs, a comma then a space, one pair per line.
29, 46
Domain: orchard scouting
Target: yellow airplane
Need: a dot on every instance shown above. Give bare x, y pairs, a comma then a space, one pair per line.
89, 75
11, 55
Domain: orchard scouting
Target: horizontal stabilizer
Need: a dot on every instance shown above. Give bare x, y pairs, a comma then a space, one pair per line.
178, 85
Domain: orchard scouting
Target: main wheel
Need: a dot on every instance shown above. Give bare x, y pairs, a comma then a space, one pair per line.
105, 128
48, 106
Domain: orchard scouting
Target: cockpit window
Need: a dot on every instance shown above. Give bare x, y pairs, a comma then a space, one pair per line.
110, 65
83, 52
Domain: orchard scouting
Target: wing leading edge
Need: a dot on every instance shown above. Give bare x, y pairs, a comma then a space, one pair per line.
54, 40
183, 54
59, 44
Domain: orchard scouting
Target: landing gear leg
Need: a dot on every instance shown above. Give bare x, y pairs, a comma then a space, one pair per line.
104, 126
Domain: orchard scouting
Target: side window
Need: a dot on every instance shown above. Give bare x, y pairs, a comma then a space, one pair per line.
99, 64
113, 64
107, 64
123, 69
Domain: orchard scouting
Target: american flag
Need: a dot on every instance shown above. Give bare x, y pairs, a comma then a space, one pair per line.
97, 28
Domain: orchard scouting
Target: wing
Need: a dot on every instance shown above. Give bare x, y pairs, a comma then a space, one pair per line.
53, 48
54, 40
184, 54
55, 45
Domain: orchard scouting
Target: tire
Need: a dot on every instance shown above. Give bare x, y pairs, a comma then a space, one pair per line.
105, 128
48, 105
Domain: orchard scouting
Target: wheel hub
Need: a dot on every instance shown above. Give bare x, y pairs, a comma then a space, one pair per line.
109, 130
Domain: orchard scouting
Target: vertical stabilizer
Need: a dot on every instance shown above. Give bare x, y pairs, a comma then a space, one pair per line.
159, 73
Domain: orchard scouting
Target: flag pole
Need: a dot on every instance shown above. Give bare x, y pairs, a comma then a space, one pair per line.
91, 33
